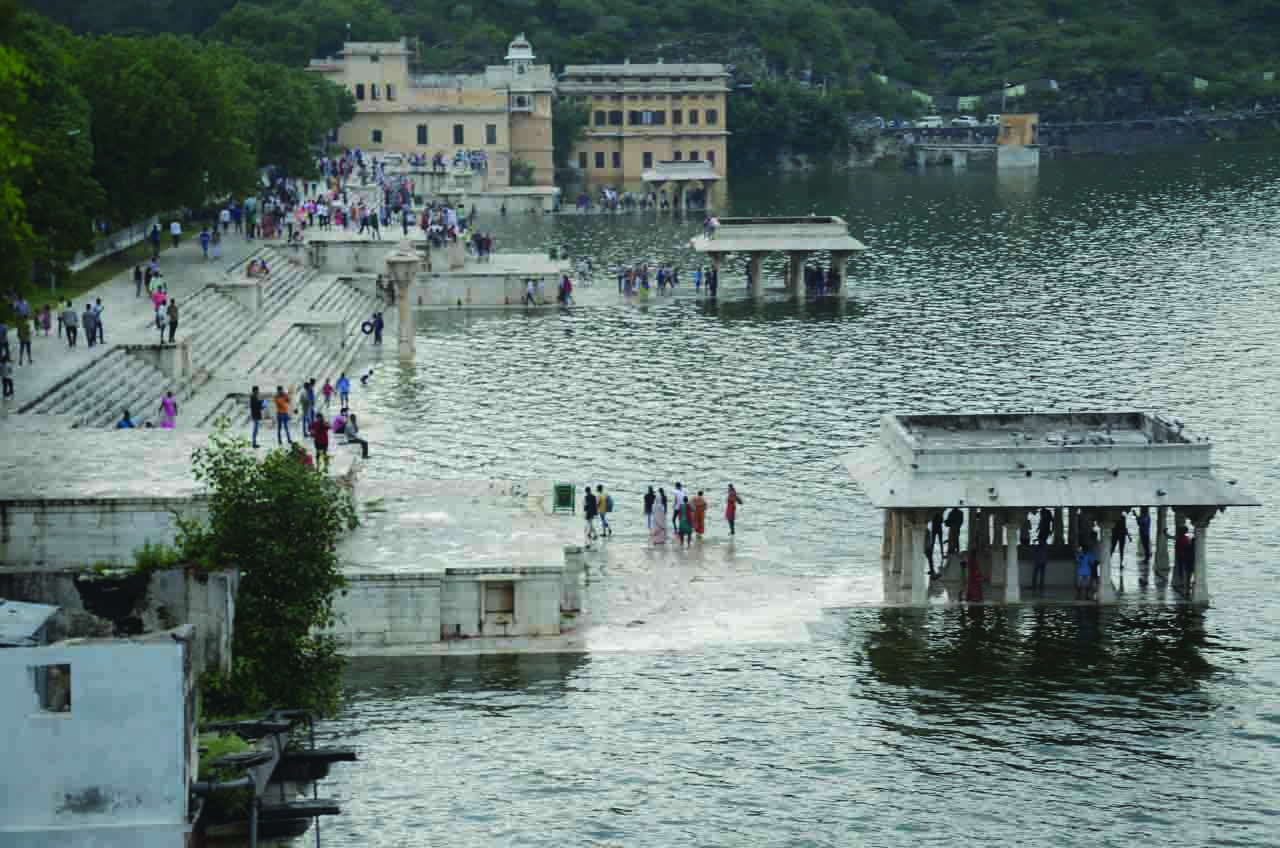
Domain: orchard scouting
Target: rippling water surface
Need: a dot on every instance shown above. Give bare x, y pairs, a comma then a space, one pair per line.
1149, 284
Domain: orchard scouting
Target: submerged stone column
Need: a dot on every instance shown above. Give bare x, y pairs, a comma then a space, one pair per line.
886, 541
1200, 521
401, 265
1057, 526
1012, 575
795, 281
915, 567
1161, 542
756, 272
1106, 592
839, 266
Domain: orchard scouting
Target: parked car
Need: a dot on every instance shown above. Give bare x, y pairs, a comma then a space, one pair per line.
964, 121
930, 122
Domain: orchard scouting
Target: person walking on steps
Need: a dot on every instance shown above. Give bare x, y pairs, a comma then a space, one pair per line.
282, 416
172, 313
256, 405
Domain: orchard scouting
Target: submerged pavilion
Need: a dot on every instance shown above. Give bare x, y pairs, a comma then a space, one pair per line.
799, 238
1088, 469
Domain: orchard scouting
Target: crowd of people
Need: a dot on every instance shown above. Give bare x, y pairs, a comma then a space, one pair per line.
612, 200
313, 404
662, 279
688, 514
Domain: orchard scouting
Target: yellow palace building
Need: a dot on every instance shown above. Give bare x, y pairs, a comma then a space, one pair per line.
642, 115
504, 112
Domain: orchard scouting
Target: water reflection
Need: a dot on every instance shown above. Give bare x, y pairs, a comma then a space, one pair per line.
454, 677
1043, 658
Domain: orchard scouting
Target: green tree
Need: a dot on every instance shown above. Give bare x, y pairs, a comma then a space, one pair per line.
59, 191
17, 241
278, 521
568, 127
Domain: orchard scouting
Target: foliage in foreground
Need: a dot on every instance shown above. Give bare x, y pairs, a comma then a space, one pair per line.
278, 522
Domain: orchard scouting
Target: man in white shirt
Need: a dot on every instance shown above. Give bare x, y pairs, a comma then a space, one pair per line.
680, 495
175, 231
226, 219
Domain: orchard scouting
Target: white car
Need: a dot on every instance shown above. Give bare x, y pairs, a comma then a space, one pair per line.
964, 121
930, 122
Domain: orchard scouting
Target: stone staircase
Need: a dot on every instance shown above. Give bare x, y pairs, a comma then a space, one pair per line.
96, 396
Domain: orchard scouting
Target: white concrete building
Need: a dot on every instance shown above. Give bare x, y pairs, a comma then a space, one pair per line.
98, 743
1087, 469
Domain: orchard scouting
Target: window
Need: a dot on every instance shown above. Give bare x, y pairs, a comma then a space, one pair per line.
422, 133
459, 136
376, 136
375, 58
500, 598
693, 117
677, 117
693, 156
53, 687
712, 116
582, 161
600, 118
359, 91
615, 98
648, 159
522, 101
633, 97
600, 159
677, 97
617, 159
391, 91
615, 118
659, 117
490, 133
633, 118
677, 156
711, 157
373, 91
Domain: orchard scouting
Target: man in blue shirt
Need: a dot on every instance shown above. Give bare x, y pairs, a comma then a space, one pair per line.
125, 422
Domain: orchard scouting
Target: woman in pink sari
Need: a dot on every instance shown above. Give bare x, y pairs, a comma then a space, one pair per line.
168, 411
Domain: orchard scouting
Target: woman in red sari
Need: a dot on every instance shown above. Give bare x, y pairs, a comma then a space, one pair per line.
731, 508
700, 515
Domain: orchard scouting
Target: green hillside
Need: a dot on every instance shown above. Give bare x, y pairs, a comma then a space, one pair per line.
951, 46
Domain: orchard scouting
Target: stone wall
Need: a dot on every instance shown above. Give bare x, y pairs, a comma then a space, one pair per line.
382, 611
101, 606
67, 533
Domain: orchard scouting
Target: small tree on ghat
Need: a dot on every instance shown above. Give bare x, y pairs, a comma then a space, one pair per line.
278, 521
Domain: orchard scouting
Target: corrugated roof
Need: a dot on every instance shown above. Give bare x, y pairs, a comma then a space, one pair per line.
20, 622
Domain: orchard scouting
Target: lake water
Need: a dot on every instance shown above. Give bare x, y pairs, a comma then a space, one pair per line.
770, 702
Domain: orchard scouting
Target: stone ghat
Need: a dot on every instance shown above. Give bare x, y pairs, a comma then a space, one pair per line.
88, 495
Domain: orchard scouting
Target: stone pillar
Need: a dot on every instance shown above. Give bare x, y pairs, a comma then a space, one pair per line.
1106, 519
708, 187
575, 566
795, 284
886, 542
960, 160
1057, 526
1012, 575
839, 265
915, 568
401, 265
971, 540
756, 266
922, 159
1200, 521
1161, 542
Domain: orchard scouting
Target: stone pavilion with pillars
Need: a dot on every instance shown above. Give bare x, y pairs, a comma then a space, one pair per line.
799, 238
1001, 470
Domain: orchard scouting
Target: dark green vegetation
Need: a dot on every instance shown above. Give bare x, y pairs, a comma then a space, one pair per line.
278, 522
98, 132
809, 63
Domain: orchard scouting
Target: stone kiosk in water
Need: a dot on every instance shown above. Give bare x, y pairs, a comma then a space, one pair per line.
1088, 469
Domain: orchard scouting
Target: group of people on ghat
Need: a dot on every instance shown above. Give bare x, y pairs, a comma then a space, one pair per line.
610, 199
1087, 552
663, 279
312, 403
688, 514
